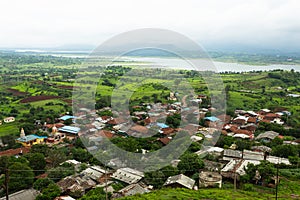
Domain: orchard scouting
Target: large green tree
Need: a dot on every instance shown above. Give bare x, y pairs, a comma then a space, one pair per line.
190, 164
21, 176
37, 162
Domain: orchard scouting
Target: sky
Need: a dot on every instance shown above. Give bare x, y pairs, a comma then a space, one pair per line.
264, 24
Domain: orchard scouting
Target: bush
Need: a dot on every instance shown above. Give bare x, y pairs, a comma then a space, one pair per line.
248, 187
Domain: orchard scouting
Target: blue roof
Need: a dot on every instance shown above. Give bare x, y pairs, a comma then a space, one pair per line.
66, 117
69, 129
212, 119
29, 138
162, 125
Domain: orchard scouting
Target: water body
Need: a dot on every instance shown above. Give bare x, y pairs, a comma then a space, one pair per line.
175, 63
203, 65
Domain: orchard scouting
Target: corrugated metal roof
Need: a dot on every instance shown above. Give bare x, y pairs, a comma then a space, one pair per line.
29, 194
69, 129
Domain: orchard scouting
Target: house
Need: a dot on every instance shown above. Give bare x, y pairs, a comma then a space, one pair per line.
236, 168
252, 120
66, 117
130, 190
224, 118
137, 130
210, 179
9, 119
217, 151
29, 194
211, 121
267, 136
167, 131
277, 160
69, 130
240, 120
230, 154
253, 155
29, 140
264, 149
64, 198
75, 184
94, 173
164, 140
271, 116
181, 181
242, 136
128, 175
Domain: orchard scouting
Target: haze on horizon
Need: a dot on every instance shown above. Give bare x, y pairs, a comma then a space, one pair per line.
256, 24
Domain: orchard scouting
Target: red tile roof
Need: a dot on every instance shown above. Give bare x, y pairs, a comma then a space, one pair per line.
165, 140
241, 131
251, 120
139, 129
168, 131
106, 134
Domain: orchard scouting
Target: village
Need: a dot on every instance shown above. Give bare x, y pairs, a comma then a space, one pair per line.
241, 144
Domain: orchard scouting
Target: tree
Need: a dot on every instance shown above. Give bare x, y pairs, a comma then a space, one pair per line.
174, 120
285, 151
155, 178
81, 155
56, 156
265, 169
40, 148
190, 164
21, 176
42, 183
61, 172
50, 192
36, 162
95, 194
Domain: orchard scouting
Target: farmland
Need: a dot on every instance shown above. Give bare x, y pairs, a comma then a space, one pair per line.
47, 82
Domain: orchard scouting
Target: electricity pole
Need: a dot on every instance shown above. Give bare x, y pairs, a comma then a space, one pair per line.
277, 181
6, 183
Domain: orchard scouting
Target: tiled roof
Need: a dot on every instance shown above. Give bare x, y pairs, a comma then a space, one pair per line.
165, 140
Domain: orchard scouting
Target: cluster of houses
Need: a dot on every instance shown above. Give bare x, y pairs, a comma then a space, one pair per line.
245, 123
232, 163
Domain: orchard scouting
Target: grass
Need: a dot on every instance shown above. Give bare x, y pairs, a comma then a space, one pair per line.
222, 194
9, 129
285, 191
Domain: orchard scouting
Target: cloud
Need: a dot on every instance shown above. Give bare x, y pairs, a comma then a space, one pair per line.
33, 23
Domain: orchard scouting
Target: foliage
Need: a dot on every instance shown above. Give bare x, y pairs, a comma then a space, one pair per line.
158, 178
190, 164
60, 172
41, 183
81, 155
95, 194
285, 151
50, 192
40, 148
56, 156
36, 162
174, 120
21, 176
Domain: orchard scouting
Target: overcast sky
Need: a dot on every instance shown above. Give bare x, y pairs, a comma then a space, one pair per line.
271, 24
